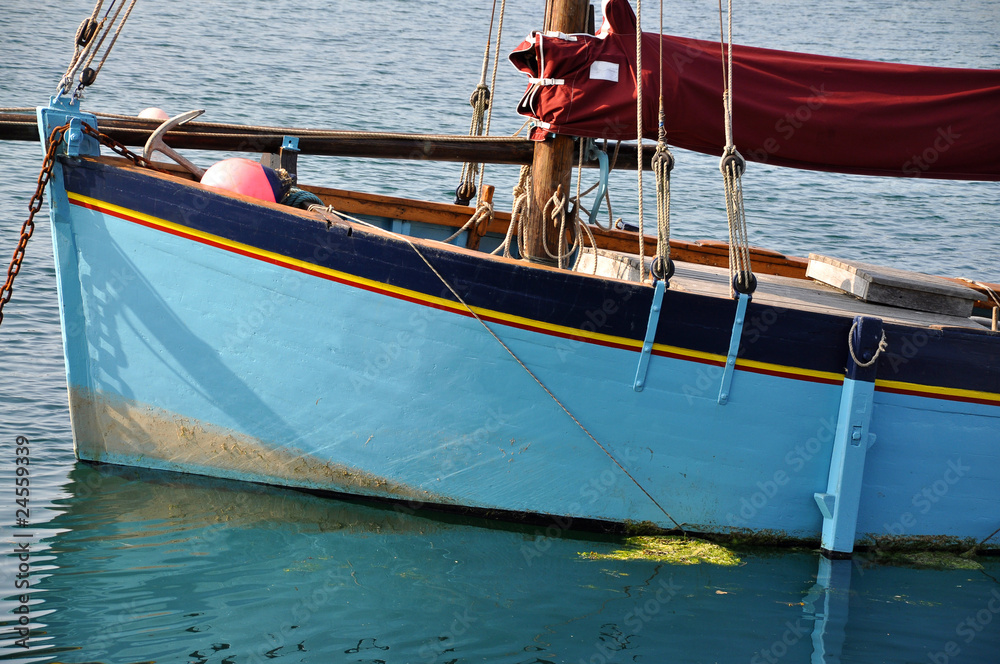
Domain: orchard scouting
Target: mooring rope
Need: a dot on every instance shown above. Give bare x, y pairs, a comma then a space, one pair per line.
482, 215
992, 295
542, 385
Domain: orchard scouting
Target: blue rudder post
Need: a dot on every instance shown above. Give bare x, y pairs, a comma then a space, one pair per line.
841, 501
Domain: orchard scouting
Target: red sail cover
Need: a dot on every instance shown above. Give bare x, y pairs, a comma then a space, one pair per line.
789, 109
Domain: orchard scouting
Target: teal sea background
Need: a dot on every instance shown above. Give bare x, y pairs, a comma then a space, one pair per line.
129, 566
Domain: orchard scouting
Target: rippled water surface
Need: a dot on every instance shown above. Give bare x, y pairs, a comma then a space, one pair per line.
137, 567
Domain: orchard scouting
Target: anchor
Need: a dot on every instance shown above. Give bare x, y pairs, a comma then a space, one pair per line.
156, 144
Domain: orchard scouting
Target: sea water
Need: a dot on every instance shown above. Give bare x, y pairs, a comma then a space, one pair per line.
134, 566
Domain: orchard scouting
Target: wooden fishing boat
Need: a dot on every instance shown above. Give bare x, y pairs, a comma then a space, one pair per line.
386, 348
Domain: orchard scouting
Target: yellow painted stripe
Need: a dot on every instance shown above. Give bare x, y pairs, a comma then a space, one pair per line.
361, 281
247, 249
764, 366
519, 321
930, 390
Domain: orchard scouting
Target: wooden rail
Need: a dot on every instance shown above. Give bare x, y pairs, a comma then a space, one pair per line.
134, 132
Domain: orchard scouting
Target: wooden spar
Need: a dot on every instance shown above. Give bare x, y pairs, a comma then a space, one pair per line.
553, 162
134, 132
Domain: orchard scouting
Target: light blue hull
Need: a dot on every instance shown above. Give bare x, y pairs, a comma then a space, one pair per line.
196, 357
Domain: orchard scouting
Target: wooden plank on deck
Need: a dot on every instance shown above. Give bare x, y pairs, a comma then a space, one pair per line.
894, 287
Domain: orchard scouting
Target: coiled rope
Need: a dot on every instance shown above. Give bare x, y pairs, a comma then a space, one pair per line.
518, 211
882, 346
302, 199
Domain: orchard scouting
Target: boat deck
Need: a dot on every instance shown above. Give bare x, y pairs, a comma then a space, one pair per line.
778, 291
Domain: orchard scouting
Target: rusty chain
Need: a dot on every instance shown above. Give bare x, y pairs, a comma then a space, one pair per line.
28, 228
119, 148
29, 224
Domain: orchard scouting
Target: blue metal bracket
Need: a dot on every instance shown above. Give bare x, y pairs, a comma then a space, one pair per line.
76, 140
734, 348
839, 504
288, 157
647, 344
60, 111
602, 184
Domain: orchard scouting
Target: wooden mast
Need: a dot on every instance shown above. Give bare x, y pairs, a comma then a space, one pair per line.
552, 162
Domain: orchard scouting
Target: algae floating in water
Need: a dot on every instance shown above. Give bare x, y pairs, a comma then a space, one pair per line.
673, 550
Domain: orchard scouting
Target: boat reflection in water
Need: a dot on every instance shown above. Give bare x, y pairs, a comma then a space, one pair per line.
157, 566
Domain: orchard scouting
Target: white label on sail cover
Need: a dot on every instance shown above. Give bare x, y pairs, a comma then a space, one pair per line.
604, 71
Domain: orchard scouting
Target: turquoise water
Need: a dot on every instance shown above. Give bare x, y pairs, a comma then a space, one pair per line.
133, 567
145, 567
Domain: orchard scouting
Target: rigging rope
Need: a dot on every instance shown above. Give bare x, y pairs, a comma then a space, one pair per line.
733, 165
557, 210
638, 124
87, 47
663, 162
607, 191
481, 105
479, 100
513, 355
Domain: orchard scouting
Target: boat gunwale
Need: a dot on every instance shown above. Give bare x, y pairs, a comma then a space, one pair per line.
698, 252
927, 389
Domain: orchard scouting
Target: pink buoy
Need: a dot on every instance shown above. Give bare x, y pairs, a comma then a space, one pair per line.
243, 176
154, 113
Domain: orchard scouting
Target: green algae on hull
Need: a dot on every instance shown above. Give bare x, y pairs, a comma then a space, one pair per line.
939, 560
669, 549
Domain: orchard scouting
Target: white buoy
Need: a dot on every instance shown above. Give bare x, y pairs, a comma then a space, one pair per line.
154, 113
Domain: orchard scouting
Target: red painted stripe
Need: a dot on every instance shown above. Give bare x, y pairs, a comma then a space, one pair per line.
788, 374
938, 395
322, 275
530, 328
